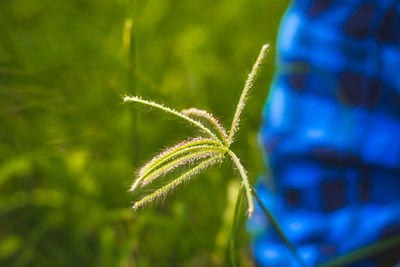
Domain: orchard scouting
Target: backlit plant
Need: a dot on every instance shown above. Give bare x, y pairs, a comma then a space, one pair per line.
202, 152
212, 147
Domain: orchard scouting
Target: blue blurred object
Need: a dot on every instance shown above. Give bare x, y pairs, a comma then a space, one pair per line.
331, 133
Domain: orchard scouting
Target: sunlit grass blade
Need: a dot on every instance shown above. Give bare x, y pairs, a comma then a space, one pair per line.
190, 158
171, 111
248, 85
184, 177
204, 114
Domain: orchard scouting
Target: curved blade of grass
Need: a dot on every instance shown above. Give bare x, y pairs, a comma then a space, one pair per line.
173, 112
166, 153
278, 229
237, 220
363, 253
248, 85
204, 114
184, 177
186, 159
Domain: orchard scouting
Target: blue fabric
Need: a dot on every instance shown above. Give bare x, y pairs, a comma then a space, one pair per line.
331, 133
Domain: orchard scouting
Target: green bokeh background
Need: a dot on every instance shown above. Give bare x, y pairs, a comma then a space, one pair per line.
69, 148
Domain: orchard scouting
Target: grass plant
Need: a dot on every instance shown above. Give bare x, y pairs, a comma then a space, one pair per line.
211, 147
202, 151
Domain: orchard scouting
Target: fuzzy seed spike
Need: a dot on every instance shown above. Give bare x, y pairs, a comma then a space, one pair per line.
167, 153
204, 114
248, 85
171, 111
176, 148
184, 177
186, 159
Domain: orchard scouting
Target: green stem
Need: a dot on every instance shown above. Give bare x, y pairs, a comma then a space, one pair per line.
237, 219
278, 229
245, 182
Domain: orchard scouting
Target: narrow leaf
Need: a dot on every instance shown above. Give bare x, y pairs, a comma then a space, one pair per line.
278, 229
363, 253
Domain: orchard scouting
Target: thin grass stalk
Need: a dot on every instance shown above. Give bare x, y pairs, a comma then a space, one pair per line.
278, 229
248, 85
184, 177
187, 159
204, 114
173, 112
245, 182
363, 253
129, 47
237, 218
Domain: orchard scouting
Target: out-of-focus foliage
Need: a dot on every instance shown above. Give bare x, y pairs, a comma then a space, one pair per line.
69, 148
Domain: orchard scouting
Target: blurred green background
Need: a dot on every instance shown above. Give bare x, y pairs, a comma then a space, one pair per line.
69, 148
